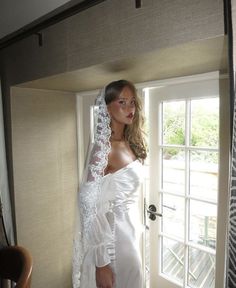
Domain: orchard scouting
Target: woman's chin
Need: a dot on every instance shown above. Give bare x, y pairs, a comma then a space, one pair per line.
129, 122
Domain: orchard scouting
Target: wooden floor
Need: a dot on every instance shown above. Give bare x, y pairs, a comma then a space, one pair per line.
201, 266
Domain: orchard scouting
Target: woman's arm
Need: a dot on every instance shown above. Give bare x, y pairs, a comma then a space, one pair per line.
98, 234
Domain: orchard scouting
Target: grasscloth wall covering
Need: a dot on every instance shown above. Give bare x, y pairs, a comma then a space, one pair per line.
45, 174
111, 31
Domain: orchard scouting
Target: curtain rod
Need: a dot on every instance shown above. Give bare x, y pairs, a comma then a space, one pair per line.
45, 21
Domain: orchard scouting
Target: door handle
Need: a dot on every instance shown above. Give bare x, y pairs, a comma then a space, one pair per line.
152, 211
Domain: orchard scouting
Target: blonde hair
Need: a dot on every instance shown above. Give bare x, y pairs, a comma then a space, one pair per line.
133, 133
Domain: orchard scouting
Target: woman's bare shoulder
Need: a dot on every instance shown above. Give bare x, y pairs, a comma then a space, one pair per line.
119, 156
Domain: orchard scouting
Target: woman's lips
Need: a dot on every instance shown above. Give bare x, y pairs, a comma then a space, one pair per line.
130, 116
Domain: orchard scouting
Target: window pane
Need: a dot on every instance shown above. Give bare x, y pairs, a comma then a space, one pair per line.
173, 122
201, 271
202, 223
173, 165
173, 215
204, 174
173, 259
205, 122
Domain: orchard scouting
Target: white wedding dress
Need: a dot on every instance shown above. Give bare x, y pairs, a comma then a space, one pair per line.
115, 236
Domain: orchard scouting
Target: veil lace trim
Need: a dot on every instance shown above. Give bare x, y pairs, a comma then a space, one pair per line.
88, 200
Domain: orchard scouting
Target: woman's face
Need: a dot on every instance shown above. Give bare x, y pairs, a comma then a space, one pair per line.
122, 109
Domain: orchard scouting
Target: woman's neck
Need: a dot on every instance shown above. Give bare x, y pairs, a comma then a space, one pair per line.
117, 132
117, 138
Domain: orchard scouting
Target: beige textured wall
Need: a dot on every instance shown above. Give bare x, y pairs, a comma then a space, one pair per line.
45, 178
112, 30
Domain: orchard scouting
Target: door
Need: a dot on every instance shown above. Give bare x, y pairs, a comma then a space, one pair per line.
182, 244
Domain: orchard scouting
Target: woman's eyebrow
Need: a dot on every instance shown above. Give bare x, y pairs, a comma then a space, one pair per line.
124, 98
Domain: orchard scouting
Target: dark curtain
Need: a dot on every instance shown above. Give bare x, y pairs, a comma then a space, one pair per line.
6, 225
231, 248
231, 261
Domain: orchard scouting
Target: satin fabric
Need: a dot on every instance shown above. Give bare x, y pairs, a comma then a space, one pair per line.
118, 218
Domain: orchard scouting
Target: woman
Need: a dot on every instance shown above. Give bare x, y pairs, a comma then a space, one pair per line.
109, 254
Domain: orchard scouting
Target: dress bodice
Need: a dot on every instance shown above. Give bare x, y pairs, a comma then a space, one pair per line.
119, 190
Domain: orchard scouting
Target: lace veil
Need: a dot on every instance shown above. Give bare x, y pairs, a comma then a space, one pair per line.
89, 191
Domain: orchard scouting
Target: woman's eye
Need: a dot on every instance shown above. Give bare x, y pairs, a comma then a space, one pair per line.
133, 102
122, 102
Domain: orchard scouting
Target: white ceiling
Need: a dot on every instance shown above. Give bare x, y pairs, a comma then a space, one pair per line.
16, 14
188, 59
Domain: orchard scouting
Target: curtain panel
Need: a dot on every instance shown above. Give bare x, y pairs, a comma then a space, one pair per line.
231, 257
231, 263
6, 224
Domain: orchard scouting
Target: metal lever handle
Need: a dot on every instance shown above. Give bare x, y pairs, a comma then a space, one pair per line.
152, 211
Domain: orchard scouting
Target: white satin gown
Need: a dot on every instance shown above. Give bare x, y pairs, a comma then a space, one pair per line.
118, 218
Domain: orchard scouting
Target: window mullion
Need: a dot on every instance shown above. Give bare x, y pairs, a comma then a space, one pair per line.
187, 144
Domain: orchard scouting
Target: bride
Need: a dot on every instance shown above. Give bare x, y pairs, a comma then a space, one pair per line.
106, 244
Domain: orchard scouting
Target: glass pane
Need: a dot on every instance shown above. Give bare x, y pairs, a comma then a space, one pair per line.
173, 123
204, 174
173, 259
202, 223
173, 174
201, 271
205, 122
173, 215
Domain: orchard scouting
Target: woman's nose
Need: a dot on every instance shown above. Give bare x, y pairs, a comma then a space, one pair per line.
130, 108
131, 105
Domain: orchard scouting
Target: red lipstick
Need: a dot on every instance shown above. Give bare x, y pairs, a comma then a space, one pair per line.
131, 115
